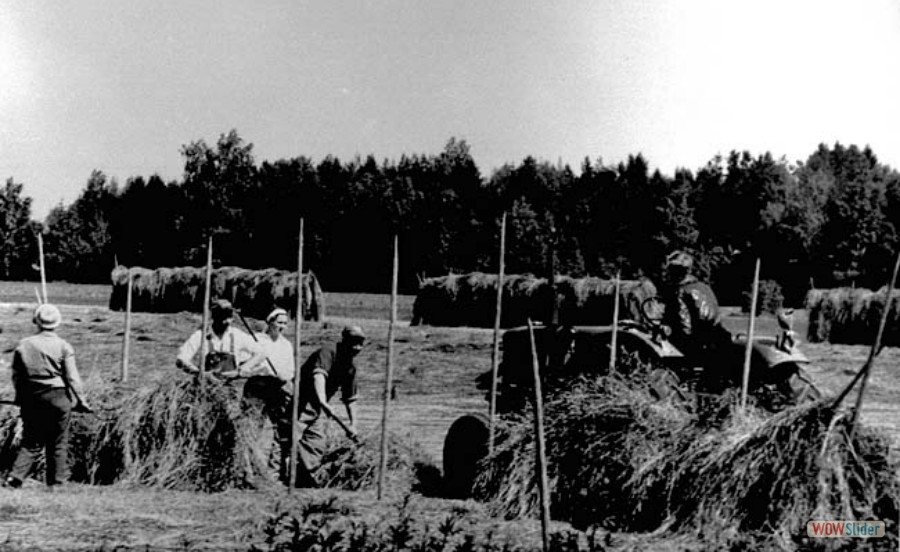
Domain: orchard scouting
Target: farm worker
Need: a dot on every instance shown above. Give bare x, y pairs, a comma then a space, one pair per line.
692, 312
328, 369
231, 352
48, 387
271, 386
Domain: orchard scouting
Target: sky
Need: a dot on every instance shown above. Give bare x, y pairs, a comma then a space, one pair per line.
121, 86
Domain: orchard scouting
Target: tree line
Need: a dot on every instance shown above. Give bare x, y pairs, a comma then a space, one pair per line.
833, 219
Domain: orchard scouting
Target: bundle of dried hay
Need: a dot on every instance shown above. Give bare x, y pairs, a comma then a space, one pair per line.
773, 475
354, 467
851, 316
470, 300
178, 435
180, 289
597, 435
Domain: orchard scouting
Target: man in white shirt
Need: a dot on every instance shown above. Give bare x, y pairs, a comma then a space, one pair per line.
231, 353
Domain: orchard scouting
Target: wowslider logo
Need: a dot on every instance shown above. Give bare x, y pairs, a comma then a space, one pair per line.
840, 529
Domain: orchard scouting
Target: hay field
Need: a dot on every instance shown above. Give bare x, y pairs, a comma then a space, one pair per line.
434, 383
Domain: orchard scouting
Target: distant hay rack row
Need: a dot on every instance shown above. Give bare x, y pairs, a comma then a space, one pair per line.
254, 292
470, 300
850, 316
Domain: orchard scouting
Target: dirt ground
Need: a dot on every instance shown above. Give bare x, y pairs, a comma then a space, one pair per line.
433, 377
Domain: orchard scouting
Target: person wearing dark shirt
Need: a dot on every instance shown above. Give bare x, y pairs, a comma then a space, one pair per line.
328, 370
693, 315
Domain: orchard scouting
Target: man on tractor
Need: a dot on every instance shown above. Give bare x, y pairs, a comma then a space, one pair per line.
692, 316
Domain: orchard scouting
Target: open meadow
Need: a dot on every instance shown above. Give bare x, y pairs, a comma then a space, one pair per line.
434, 373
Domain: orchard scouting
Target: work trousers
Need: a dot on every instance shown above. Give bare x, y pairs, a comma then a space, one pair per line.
45, 420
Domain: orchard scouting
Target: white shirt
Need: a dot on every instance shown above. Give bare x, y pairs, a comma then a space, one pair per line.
232, 341
281, 353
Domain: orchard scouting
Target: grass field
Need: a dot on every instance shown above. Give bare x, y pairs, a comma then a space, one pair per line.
434, 384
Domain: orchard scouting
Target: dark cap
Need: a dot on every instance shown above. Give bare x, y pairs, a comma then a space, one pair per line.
221, 309
353, 333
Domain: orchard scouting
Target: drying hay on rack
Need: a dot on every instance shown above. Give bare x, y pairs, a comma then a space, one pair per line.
851, 316
253, 292
596, 436
623, 460
470, 300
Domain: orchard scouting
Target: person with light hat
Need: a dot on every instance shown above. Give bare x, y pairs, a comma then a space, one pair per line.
231, 353
48, 388
327, 370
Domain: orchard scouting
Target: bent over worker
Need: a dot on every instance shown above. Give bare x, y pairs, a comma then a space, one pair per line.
329, 369
48, 387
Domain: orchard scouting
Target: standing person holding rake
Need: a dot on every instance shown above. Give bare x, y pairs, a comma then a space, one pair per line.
48, 388
231, 352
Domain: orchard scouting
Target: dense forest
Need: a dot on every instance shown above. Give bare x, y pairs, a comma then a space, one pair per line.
833, 219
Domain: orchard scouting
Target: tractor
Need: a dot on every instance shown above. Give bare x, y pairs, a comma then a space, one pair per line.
569, 352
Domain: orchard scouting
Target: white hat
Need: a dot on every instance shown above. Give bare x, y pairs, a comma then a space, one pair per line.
47, 316
278, 311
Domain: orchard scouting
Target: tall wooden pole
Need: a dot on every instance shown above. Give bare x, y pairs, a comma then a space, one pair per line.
295, 401
389, 374
867, 368
613, 346
204, 324
540, 449
495, 353
127, 335
748, 352
41, 261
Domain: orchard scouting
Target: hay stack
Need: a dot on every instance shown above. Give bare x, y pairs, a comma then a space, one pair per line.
619, 459
597, 435
355, 467
470, 300
254, 292
177, 436
851, 316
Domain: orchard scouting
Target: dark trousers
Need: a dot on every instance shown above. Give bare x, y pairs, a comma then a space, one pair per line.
45, 420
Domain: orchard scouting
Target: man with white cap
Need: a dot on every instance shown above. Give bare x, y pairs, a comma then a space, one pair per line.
48, 387
329, 369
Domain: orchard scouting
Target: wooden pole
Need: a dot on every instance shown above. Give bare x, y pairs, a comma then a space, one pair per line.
204, 324
495, 353
613, 346
37, 295
298, 359
867, 368
539, 440
389, 373
127, 335
41, 261
748, 352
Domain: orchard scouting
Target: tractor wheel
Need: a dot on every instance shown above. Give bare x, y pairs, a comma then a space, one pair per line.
465, 445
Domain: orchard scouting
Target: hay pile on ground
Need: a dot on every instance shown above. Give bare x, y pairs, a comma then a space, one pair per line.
622, 460
773, 475
470, 300
851, 316
254, 292
179, 436
355, 467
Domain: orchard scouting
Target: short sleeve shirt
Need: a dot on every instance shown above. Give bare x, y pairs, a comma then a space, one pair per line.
339, 371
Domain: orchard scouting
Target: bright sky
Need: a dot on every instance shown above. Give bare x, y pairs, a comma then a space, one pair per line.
121, 86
